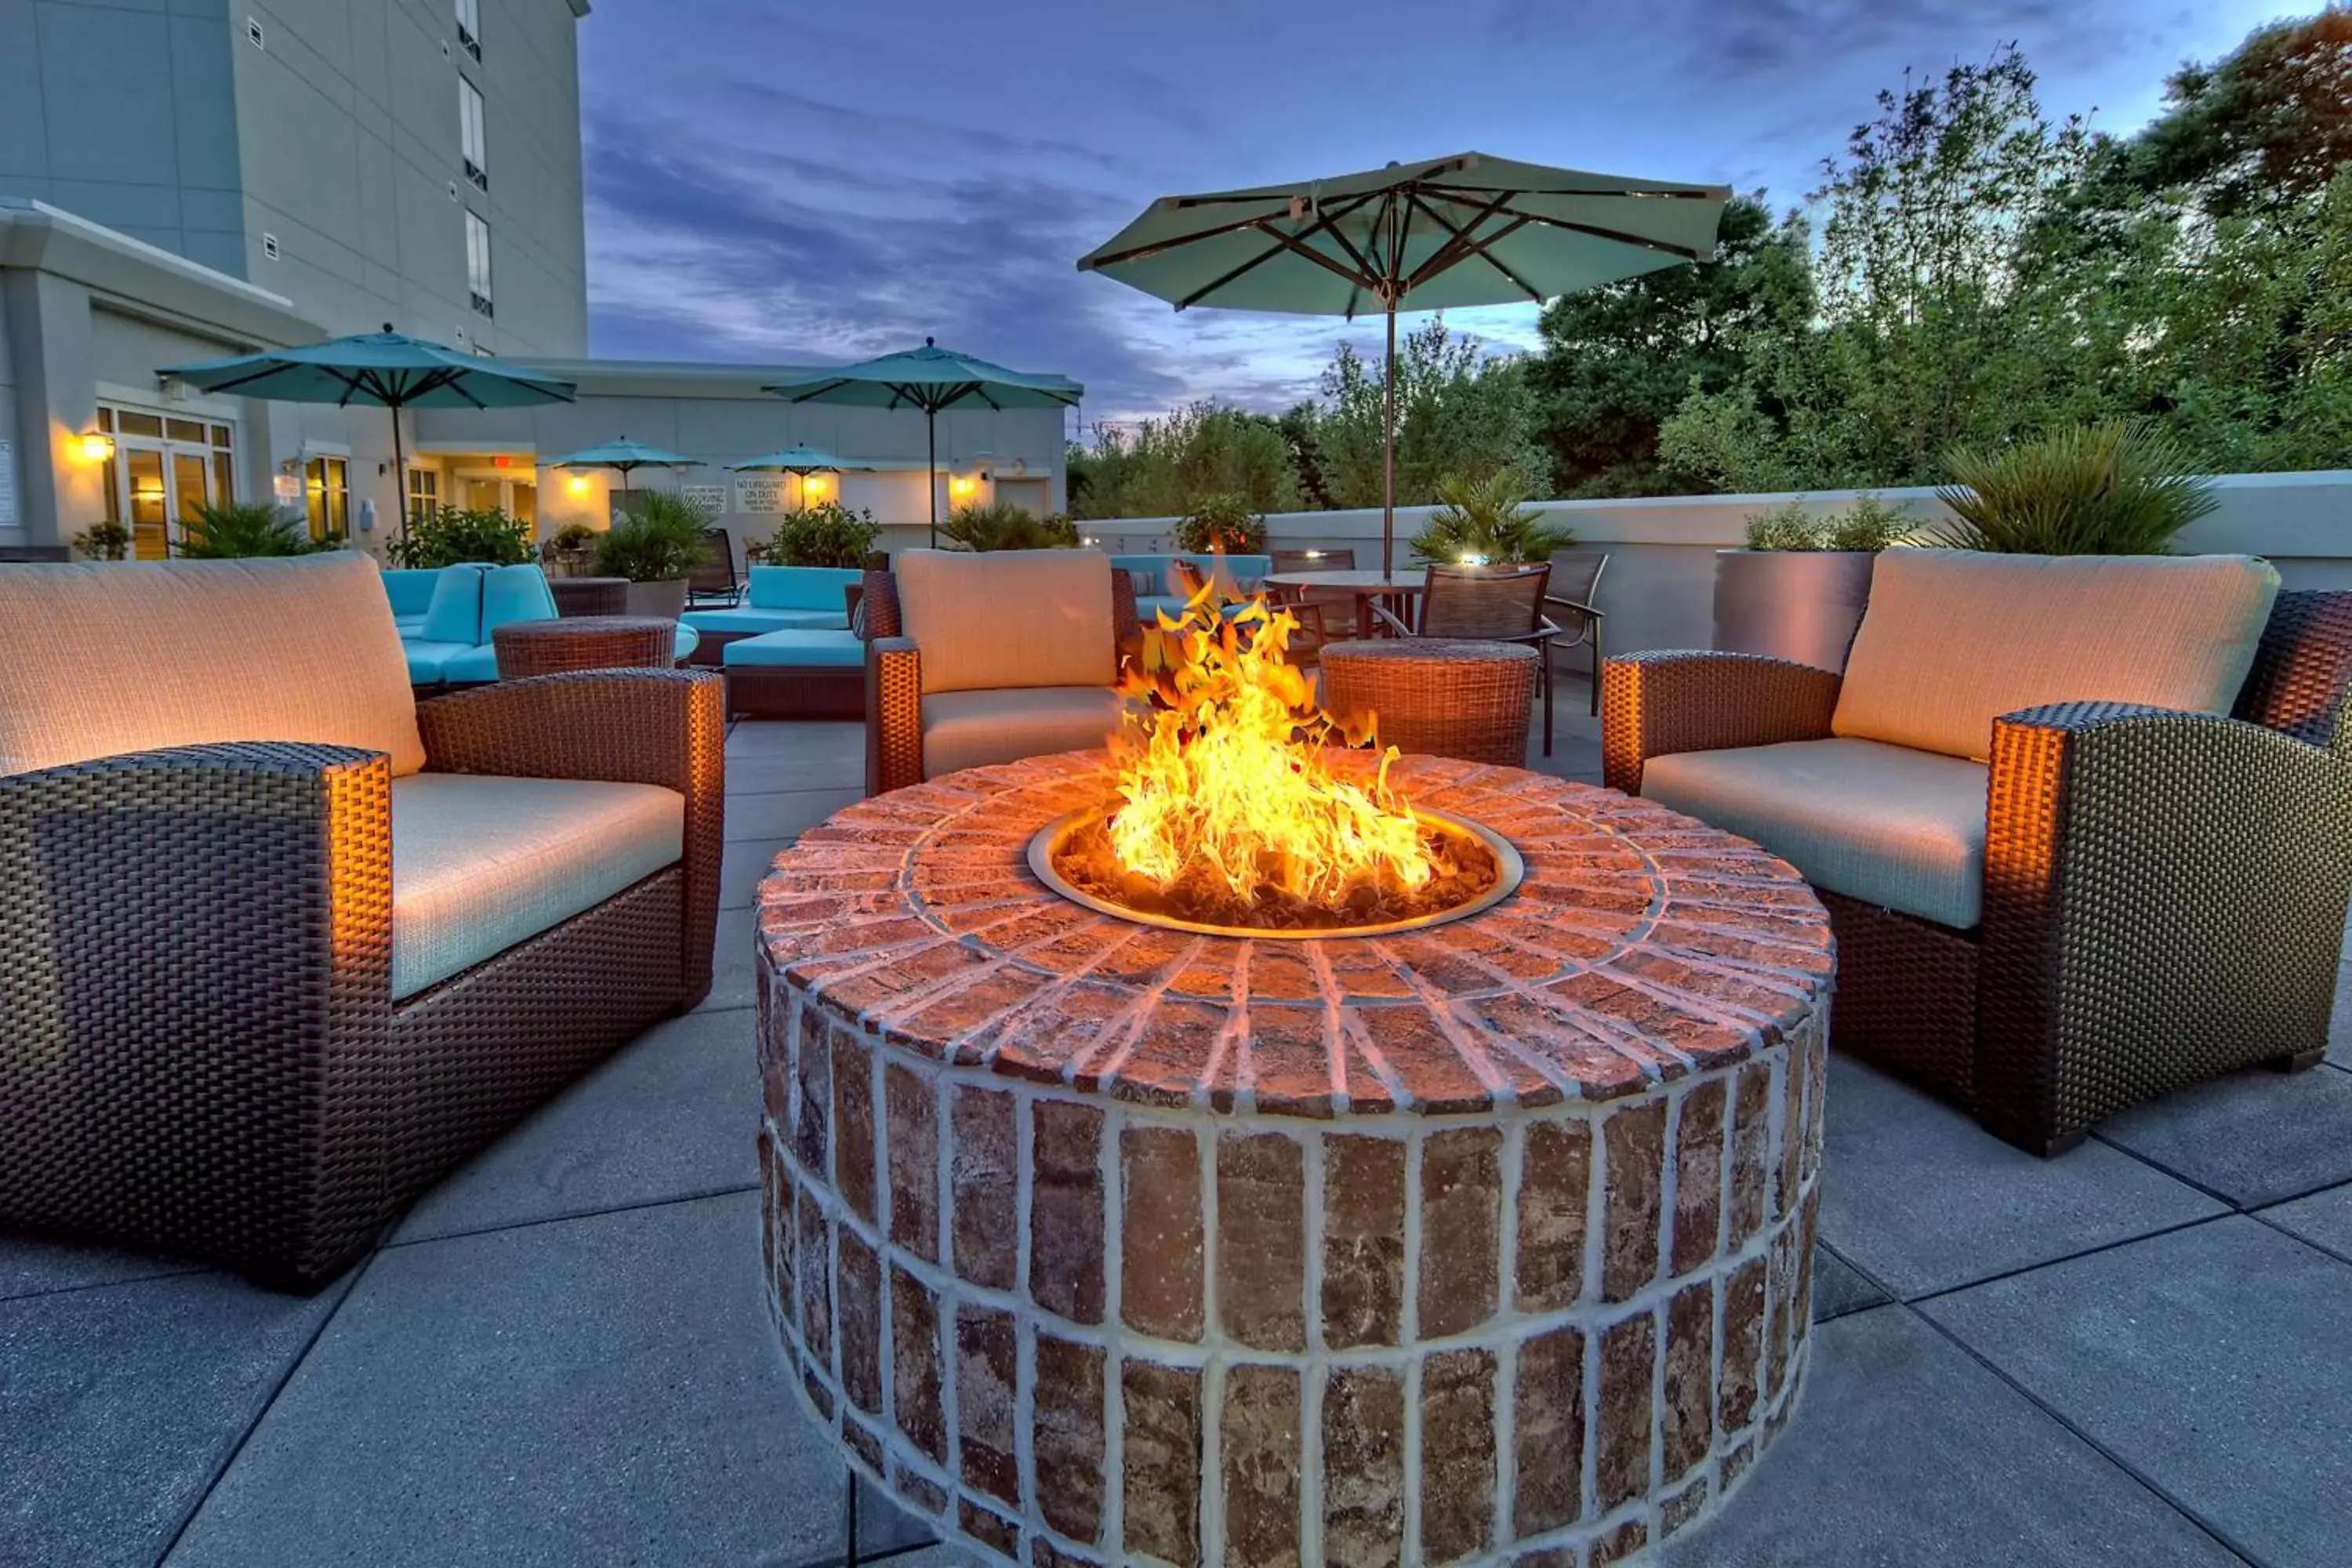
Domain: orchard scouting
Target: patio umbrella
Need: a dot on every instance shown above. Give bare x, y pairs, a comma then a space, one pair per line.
802, 461
624, 456
929, 378
1450, 231
386, 369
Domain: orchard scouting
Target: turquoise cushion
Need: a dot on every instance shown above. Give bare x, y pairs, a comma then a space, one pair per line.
1149, 572
798, 650
474, 664
1149, 606
409, 625
411, 592
803, 588
429, 662
511, 594
757, 621
1247, 572
688, 639
454, 616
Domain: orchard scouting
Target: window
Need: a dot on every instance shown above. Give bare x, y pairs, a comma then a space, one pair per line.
327, 487
470, 128
470, 26
424, 493
477, 262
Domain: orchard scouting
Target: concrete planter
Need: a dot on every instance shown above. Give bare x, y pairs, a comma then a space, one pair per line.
1799, 604
665, 600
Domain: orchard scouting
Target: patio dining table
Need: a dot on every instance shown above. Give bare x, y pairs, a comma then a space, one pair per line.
1397, 589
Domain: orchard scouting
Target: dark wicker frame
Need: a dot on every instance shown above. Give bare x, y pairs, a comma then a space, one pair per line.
1488, 603
198, 1044
2165, 892
894, 678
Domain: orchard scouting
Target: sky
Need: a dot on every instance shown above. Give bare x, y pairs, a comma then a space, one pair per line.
808, 181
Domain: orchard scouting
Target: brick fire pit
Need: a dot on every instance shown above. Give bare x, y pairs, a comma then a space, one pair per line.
1097, 1242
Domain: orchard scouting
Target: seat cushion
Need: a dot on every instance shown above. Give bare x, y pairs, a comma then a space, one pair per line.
480, 863
409, 625
796, 650
1009, 618
512, 593
1953, 639
1887, 824
429, 662
972, 729
820, 588
455, 614
686, 641
755, 622
100, 658
471, 665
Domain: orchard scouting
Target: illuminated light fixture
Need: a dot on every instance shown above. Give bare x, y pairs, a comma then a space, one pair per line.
94, 445
577, 484
1470, 560
1314, 556
962, 485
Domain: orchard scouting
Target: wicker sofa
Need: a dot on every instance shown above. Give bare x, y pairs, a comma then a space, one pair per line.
779, 598
2083, 827
447, 617
283, 945
973, 660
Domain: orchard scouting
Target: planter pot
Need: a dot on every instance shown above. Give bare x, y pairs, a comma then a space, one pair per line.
1797, 604
665, 601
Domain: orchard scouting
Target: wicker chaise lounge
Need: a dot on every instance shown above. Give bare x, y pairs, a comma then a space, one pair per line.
278, 946
2103, 898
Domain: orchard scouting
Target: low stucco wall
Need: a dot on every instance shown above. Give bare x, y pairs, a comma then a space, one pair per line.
1659, 589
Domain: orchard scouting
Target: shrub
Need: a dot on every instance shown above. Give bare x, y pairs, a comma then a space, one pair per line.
572, 536
102, 540
659, 540
1786, 527
1221, 522
1000, 525
1868, 524
825, 534
449, 534
1486, 523
237, 531
2111, 489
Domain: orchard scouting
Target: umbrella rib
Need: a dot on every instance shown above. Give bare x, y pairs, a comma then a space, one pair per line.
1470, 193
1620, 237
262, 374
1462, 248
1257, 221
1255, 262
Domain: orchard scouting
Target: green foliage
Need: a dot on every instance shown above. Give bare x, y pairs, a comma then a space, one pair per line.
1486, 523
2111, 489
1458, 411
573, 536
1787, 526
236, 530
659, 540
825, 534
1868, 524
450, 534
1156, 468
2266, 125
1221, 521
1000, 525
102, 540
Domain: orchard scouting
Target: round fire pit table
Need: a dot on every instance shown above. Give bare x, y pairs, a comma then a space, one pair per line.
584, 642
1446, 698
590, 595
1093, 1241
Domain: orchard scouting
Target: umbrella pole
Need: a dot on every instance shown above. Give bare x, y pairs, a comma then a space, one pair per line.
931, 468
1387, 451
399, 476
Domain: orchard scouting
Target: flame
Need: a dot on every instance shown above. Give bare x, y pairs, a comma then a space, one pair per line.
1224, 792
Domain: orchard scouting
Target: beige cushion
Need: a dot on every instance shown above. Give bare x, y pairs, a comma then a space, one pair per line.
97, 659
1009, 617
1952, 639
478, 863
1887, 824
972, 729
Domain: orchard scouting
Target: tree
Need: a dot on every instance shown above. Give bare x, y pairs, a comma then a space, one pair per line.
2270, 123
1162, 466
1458, 412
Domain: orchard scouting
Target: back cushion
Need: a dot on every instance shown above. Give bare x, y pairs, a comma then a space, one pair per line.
102, 658
1953, 639
511, 594
455, 614
1009, 618
802, 588
1236, 576
411, 592
1149, 572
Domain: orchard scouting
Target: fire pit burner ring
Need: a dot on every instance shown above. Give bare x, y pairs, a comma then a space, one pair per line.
1509, 870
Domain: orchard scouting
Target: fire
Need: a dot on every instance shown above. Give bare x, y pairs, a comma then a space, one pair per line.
1228, 810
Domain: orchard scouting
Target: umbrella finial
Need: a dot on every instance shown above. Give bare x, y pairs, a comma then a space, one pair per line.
929, 341
387, 327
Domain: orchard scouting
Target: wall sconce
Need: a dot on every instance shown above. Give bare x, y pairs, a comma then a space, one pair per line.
94, 447
577, 484
962, 485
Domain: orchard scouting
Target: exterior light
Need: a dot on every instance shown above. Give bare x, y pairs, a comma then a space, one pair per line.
1470, 560
1314, 556
577, 484
95, 446
963, 484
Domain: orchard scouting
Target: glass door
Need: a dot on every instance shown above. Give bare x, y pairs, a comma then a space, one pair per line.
151, 509
164, 468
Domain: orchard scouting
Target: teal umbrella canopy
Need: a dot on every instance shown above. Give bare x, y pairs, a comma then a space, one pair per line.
1444, 233
800, 461
930, 378
387, 369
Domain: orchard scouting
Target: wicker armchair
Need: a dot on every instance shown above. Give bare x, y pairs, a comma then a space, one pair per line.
2163, 892
200, 1046
1486, 604
899, 722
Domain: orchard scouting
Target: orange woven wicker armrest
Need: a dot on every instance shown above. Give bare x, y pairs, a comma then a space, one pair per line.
617, 726
1657, 703
894, 714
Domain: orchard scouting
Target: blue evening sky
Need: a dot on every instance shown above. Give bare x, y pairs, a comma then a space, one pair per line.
811, 181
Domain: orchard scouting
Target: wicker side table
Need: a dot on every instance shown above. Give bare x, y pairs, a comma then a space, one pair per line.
1466, 700
587, 642
590, 595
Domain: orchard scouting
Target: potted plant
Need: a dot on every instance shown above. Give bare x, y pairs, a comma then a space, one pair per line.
1486, 524
2112, 489
570, 548
1000, 525
825, 534
1220, 523
1797, 589
237, 531
655, 545
450, 534
103, 541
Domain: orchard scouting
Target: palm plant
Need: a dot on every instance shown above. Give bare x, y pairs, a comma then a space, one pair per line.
1486, 523
659, 541
1000, 525
236, 530
2114, 489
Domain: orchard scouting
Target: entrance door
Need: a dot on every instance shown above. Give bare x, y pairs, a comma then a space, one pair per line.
163, 469
151, 506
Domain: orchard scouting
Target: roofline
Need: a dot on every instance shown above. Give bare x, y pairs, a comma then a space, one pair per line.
689, 378
146, 279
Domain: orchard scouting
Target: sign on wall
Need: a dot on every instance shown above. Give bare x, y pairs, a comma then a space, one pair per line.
709, 500
760, 492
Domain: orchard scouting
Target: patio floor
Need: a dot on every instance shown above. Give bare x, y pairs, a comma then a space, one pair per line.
2131, 1355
